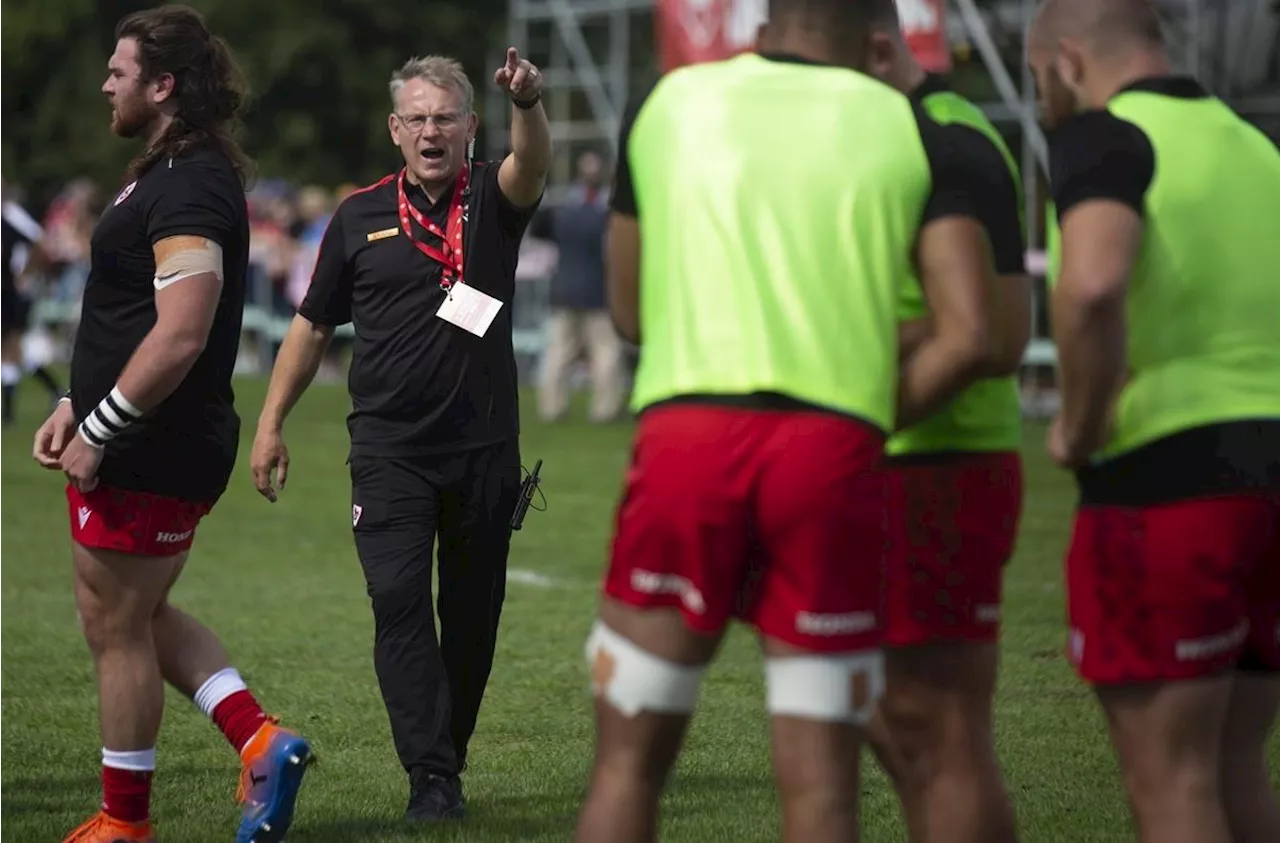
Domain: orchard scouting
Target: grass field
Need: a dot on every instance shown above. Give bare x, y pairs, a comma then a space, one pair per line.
282, 586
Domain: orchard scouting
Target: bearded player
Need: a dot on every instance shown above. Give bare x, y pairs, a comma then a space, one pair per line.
1165, 308
148, 436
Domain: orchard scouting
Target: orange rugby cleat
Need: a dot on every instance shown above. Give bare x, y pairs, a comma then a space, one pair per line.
101, 828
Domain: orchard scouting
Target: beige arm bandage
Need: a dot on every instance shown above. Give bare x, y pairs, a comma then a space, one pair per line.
184, 256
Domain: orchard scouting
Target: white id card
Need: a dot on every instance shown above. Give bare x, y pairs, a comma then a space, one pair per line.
469, 309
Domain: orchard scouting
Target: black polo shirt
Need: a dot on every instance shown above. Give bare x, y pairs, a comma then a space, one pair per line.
1099, 155
185, 447
420, 385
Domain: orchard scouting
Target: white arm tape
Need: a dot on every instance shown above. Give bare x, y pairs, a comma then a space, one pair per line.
188, 262
634, 680
836, 688
113, 415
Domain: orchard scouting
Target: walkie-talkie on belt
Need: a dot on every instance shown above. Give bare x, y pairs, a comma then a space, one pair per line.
527, 490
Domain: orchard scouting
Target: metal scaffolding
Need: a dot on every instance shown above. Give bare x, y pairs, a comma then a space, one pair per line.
596, 54
593, 55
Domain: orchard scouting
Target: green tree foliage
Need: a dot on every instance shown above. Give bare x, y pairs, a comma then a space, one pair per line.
318, 71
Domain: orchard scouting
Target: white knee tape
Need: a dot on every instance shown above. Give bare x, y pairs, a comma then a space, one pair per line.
839, 688
633, 680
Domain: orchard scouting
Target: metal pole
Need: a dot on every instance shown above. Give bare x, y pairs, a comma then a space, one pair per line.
1030, 176
620, 57
1193, 38
560, 111
977, 29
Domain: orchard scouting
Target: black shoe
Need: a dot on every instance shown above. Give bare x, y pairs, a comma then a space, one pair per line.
433, 798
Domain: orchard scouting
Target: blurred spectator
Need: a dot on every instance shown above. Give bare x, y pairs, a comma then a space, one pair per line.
579, 321
68, 227
315, 209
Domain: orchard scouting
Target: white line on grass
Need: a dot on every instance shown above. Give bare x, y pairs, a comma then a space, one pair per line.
521, 575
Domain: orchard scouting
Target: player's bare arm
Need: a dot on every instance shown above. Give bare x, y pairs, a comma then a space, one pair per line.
1101, 167
974, 180
912, 334
622, 274
1100, 242
1012, 331
956, 276
523, 174
188, 284
1013, 328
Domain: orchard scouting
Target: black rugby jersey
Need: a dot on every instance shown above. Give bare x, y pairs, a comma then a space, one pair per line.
186, 446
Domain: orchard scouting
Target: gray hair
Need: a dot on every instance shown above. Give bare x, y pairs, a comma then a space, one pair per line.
441, 71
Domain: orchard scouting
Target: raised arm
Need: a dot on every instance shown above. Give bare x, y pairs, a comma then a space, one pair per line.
523, 173
957, 275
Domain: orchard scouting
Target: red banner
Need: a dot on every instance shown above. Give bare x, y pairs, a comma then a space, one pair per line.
924, 23
692, 31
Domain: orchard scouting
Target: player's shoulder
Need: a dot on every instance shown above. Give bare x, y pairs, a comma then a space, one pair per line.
203, 171
954, 143
206, 161
1093, 137
1097, 154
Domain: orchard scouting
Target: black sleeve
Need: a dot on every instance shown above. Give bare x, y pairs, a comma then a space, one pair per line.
512, 220
543, 226
1096, 155
972, 179
623, 199
328, 299
196, 199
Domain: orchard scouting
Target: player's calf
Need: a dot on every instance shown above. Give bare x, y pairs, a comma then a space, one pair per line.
820, 706
646, 671
1250, 800
1167, 736
116, 594
934, 737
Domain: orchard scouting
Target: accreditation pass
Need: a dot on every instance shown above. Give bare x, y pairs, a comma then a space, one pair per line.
469, 309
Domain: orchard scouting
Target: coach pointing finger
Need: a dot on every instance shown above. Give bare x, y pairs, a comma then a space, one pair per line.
423, 265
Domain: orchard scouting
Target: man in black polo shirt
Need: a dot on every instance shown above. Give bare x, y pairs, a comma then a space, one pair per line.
423, 264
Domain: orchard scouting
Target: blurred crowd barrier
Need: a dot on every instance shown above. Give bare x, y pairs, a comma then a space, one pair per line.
286, 226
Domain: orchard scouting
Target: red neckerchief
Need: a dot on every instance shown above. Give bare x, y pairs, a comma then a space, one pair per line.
449, 254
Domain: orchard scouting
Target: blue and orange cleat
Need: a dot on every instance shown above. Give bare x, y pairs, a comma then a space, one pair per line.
101, 828
275, 759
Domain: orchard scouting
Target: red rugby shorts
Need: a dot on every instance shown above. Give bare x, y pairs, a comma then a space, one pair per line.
133, 522
1175, 591
953, 523
775, 517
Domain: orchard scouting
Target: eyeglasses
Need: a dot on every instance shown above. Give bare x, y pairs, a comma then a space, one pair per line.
417, 122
